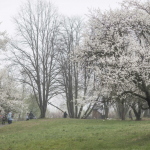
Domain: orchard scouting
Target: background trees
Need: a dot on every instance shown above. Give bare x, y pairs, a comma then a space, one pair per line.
104, 60
74, 78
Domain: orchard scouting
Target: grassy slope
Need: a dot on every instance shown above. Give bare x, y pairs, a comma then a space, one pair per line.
72, 134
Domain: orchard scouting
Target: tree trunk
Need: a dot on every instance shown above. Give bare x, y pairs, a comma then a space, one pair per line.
89, 112
106, 112
137, 113
42, 113
106, 107
123, 112
80, 111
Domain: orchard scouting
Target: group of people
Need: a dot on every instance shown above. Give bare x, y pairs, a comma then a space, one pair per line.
9, 117
3, 117
30, 116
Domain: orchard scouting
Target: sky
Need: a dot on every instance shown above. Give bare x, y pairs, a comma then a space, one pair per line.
9, 8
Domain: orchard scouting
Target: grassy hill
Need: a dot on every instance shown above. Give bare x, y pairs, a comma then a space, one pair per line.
73, 134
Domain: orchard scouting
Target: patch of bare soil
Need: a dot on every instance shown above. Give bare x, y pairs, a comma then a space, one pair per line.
2, 125
145, 118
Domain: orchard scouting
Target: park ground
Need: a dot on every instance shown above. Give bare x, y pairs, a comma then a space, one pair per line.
73, 134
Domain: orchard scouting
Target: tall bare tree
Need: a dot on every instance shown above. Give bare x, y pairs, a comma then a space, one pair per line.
73, 79
71, 36
35, 49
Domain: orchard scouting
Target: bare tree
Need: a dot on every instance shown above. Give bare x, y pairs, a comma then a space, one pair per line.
122, 107
69, 76
35, 51
73, 77
3, 40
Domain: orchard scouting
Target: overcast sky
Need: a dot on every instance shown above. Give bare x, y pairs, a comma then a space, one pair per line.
8, 9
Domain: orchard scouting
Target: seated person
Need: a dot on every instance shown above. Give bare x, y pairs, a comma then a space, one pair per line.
31, 116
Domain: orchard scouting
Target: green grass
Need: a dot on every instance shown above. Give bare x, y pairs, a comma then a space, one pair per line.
73, 134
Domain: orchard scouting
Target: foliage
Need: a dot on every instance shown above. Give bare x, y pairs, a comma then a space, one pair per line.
116, 45
10, 95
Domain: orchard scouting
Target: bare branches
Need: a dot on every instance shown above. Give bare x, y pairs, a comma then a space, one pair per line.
36, 49
135, 94
3, 40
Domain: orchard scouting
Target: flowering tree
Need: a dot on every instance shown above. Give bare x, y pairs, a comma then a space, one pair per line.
116, 46
10, 95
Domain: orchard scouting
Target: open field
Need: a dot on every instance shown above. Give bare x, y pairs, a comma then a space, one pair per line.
73, 134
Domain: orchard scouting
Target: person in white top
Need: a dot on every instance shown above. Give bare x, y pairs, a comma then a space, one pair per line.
27, 116
9, 117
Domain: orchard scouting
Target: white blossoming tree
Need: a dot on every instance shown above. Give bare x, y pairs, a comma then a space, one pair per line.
116, 45
10, 94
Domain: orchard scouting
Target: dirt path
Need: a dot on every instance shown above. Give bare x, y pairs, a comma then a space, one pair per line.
3, 125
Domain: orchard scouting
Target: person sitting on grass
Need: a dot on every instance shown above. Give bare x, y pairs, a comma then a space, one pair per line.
31, 116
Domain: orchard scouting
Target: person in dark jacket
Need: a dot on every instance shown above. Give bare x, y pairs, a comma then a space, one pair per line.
31, 116
65, 114
3, 119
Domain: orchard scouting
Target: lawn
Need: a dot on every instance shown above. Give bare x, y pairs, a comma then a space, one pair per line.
73, 134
